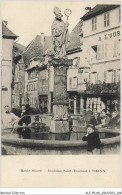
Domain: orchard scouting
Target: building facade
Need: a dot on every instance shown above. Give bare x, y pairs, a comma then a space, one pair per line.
31, 84
101, 44
97, 77
8, 38
18, 81
37, 90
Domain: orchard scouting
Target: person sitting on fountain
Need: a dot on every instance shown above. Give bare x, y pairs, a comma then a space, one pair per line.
93, 140
115, 120
95, 120
9, 119
104, 119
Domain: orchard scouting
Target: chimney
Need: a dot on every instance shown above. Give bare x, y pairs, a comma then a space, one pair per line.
42, 38
87, 9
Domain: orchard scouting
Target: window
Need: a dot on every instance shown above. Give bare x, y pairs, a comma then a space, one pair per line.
106, 51
116, 48
85, 77
36, 73
118, 75
109, 76
106, 19
29, 75
74, 82
35, 100
94, 23
34, 86
93, 104
99, 52
94, 77
30, 87
30, 100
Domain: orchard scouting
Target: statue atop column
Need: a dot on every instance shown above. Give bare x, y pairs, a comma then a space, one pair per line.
60, 33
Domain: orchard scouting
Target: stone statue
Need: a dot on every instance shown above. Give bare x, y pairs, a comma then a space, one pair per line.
60, 33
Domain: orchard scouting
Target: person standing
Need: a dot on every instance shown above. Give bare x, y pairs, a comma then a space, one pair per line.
25, 120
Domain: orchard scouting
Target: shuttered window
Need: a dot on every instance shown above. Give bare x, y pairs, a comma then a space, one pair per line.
106, 19
94, 23
94, 77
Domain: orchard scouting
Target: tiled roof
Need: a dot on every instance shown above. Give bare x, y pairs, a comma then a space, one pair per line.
20, 47
36, 48
99, 9
6, 33
74, 38
17, 51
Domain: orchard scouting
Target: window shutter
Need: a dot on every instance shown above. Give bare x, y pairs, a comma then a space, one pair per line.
90, 77
98, 52
97, 77
114, 72
114, 49
103, 51
106, 49
105, 76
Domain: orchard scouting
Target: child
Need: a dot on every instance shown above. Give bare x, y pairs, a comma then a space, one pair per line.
93, 140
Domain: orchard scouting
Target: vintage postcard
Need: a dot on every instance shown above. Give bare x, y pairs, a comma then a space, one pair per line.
60, 94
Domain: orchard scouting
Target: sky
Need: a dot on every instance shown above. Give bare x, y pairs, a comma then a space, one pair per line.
30, 18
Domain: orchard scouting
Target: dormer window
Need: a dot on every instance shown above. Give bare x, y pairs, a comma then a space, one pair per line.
106, 19
94, 23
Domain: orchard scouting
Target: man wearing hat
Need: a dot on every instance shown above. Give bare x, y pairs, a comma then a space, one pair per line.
93, 140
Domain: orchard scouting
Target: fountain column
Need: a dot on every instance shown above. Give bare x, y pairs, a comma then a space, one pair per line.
60, 121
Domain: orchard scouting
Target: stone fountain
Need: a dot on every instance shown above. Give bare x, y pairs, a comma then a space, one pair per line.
73, 144
60, 63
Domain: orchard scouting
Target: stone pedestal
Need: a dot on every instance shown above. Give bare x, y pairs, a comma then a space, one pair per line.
81, 105
59, 125
60, 121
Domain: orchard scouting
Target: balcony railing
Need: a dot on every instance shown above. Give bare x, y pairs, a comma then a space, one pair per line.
103, 88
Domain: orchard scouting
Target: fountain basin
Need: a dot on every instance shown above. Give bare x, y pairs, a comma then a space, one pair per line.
110, 144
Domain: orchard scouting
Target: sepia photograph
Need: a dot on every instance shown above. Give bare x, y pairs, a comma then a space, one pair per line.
60, 80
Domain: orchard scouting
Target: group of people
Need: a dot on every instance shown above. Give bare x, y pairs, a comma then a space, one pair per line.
99, 121
108, 121
22, 124
10, 120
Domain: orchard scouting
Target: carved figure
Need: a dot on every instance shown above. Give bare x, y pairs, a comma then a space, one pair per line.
60, 33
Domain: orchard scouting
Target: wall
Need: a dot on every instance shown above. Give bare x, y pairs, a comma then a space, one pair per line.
7, 46
101, 47
19, 84
114, 22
